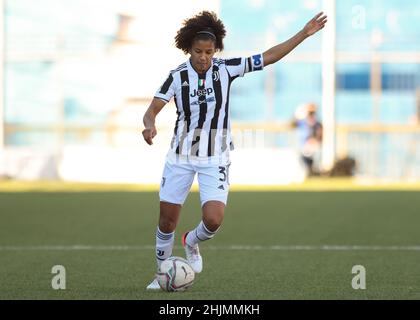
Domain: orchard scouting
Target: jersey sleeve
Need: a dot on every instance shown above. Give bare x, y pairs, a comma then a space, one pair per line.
167, 90
237, 67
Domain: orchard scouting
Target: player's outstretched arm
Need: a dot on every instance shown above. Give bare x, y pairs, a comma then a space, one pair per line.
276, 53
149, 120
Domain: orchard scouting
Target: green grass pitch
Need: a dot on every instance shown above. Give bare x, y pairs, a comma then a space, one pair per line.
272, 245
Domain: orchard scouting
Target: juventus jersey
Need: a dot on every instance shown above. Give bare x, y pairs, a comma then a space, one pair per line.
202, 127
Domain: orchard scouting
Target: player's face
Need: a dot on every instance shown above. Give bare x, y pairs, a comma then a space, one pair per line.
202, 51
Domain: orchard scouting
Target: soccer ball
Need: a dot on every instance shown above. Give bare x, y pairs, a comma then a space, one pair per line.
175, 274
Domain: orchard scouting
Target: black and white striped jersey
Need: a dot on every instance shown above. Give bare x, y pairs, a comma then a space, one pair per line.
202, 127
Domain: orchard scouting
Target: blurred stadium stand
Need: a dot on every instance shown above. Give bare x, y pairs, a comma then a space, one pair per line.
78, 76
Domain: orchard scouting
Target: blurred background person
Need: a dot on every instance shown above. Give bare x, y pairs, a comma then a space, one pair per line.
309, 135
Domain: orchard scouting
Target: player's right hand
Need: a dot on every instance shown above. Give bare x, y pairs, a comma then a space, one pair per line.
149, 134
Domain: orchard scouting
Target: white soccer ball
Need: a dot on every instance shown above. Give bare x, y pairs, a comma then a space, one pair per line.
175, 274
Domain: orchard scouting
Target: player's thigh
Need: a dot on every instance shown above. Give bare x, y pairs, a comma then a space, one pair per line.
214, 183
176, 183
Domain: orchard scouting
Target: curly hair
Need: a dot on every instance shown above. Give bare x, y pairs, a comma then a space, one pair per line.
204, 21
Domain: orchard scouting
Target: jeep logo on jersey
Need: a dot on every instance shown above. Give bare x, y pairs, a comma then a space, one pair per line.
201, 92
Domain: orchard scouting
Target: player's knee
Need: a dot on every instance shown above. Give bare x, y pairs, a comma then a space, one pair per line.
213, 223
168, 217
213, 216
167, 225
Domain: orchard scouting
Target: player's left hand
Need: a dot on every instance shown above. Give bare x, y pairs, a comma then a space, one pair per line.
149, 134
315, 24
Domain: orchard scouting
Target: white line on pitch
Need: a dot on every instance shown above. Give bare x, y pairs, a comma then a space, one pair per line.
231, 247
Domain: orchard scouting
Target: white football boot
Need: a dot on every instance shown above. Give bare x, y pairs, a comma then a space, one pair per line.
193, 255
154, 285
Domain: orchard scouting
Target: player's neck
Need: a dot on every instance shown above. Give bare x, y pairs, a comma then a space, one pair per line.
200, 73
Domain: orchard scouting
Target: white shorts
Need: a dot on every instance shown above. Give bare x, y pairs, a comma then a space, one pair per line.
178, 176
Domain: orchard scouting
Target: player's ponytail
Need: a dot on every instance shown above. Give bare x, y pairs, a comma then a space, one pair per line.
203, 26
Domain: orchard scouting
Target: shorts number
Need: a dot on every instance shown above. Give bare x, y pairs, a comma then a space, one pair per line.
225, 172
222, 170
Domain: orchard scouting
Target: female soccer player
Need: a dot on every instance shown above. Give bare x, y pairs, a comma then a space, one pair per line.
201, 140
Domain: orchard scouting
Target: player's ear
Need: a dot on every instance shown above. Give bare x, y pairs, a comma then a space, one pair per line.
190, 49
